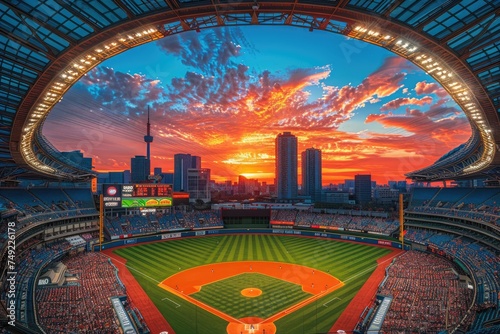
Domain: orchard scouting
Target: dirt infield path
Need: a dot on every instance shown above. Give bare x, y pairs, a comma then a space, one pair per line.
313, 281
365, 296
154, 319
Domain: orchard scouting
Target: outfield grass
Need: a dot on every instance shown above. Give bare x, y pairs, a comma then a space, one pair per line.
349, 262
225, 295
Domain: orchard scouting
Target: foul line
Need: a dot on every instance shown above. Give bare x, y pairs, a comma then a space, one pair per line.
178, 305
370, 268
331, 301
132, 268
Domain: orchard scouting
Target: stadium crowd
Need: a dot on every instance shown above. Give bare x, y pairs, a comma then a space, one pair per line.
83, 306
378, 225
428, 296
483, 262
161, 222
29, 261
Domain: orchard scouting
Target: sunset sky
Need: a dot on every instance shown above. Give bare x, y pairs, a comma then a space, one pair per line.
224, 94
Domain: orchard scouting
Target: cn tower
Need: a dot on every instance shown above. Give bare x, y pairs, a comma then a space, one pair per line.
148, 139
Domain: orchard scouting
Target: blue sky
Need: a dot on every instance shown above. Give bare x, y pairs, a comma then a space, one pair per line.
225, 94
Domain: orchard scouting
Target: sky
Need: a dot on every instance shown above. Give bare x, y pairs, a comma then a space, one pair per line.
224, 94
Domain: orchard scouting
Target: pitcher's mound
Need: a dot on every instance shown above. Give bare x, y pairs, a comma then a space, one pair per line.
251, 292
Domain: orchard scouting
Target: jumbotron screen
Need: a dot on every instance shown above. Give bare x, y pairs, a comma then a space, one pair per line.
138, 195
146, 195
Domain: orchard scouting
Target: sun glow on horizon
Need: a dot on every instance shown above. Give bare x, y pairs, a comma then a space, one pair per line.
383, 116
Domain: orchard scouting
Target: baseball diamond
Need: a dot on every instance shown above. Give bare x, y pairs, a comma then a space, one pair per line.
197, 283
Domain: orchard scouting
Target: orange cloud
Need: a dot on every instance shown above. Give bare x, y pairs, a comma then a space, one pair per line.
424, 87
401, 101
229, 114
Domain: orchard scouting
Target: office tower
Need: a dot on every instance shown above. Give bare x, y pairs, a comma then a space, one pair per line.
242, 183
139, 168
127, 176
311, 174
286, 166
78, 158
157, 171
183, 162
116, 177
148, 139
195, 162
198, 181
363, 188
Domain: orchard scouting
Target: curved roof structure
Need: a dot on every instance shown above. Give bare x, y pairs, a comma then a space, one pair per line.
47, 45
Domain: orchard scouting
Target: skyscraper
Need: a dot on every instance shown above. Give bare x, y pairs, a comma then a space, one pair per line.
363, 188
139, 168
198, 184
148, 139
311, 174
78, 158
183, 162
286, 166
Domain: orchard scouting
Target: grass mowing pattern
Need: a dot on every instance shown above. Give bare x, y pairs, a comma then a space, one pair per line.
225, 295
349, 262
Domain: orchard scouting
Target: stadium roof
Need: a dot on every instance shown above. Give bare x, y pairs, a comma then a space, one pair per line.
47, 45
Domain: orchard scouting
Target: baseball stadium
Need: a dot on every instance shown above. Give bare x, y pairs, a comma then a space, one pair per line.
78, 257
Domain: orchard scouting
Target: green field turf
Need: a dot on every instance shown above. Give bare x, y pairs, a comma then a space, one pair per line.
349, 262
225, 295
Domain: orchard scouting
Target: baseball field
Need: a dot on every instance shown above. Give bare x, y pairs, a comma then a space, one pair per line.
251, 283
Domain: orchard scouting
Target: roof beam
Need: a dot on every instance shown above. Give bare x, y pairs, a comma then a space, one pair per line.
42, 23
471, 25
391, 8
127, 10
28, 45
434, 16
77, 14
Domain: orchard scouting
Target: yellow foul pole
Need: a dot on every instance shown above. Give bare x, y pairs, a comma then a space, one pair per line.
101, 221
401, 222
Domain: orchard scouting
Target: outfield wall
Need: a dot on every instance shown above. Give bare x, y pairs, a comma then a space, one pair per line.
200, 233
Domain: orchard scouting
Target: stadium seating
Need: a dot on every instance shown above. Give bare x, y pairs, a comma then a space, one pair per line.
452, 222
161, 222
343, 221
426, 294
82, 305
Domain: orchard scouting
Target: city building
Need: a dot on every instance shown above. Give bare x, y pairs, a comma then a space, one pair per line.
183, 162
385, 194
148, 139
363, 188
116, 177
311, 174
78, 158
337, 197
248, 186
348, 186
198, 184
139, 168
286, 166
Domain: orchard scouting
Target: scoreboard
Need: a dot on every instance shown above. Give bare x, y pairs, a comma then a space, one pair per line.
147, 190
138, 195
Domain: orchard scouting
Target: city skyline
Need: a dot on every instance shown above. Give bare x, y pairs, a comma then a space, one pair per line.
225, 94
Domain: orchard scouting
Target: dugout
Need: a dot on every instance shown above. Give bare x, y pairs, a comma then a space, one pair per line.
246, 218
